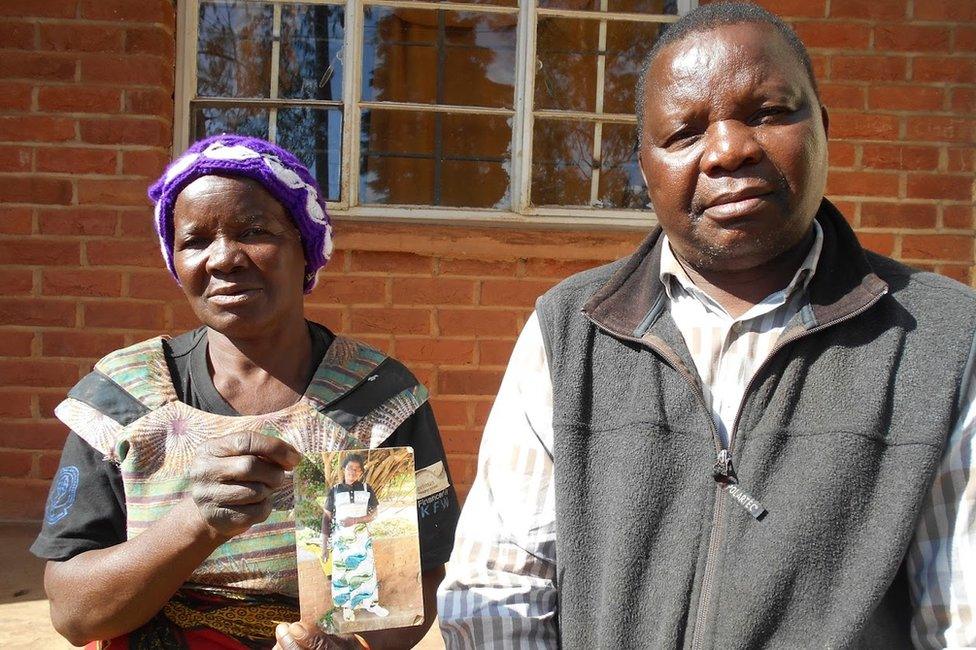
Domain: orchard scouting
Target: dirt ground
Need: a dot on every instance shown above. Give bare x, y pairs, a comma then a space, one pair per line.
398, 573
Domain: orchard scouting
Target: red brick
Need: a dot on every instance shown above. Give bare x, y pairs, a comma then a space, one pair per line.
796, 8
15, 464
77, 282
350, 290
81, 37
149, 164
76, 160
911, 38
47, 465
126, 69
158, 285
439, 351
477, 268
123, 130
15, 159
957, 216
15, 404
387, 262
433, 291
123, 314
935, 128
482, 409
898, 215
559, 269
860, 125
16, 220
112, 192
958, 272
149, 101
372, 320
17, 36
842, 154
959, 159
450, 413
15, 96
842, 96
48, 66
36, 372
184, 318
890, 156
34, 311
946, 187
945, 10
124, 253
833, 34
495, 352
36, 128
469, 382
16, 282
963, 100
23, 499
80, 99
819, 63
36, 251
33, 189
958, 248
879, 242
956, 69
461, 441
909, 97
77, 221
515, 293
39, 8
150, 40
868, 68
477, 322
862, 183
963, 38
16, 344
47, 402
126, 11
139, 223
76, 343
868, 9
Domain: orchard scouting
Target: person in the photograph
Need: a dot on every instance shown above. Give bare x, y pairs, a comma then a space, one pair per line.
750, 433
170, 521
349, 506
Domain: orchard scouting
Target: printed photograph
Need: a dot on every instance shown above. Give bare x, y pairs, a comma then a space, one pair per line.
357, 538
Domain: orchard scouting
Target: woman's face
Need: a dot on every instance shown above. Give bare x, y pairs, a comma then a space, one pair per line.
352, 472
238, 256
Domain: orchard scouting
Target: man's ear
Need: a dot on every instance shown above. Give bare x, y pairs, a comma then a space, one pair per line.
825, 118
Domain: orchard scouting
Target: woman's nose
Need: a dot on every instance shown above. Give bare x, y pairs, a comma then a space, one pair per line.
224, 255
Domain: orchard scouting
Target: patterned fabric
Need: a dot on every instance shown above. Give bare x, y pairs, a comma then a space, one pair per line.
354, 583
279, 171
156, 450
501, 588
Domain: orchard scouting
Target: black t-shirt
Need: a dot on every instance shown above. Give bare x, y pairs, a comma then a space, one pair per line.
86, 506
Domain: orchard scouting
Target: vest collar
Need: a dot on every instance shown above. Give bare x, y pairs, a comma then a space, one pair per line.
630, 302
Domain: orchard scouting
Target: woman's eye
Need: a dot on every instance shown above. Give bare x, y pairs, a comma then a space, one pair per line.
193, 243
254, 232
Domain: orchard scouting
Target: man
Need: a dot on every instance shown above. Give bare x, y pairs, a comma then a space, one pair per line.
752, 432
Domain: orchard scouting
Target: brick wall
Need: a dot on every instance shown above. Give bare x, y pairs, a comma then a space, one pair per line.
85, 122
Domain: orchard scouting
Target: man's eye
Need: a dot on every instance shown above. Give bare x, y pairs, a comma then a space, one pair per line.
770, 114
682, 139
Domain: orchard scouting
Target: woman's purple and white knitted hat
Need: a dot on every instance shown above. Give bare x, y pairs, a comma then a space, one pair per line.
279, 171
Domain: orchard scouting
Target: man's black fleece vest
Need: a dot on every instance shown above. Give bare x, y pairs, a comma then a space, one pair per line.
839, 437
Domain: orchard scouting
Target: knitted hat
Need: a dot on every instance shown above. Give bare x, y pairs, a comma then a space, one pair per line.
278, 171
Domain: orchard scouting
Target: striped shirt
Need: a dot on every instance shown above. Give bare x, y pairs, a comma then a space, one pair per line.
500, 590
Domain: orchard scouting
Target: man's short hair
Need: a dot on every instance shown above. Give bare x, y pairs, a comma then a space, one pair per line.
708, 17
354, 458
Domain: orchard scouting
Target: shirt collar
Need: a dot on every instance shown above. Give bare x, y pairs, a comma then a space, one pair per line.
672, 271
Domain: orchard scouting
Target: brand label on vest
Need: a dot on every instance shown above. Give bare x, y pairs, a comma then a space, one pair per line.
746, 500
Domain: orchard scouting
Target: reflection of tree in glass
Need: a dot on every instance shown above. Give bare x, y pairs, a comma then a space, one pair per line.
234, 50
311, 47
239, 120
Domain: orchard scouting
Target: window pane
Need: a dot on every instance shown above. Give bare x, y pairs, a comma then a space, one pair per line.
234, 50
621, 184
668, 7
315, 136
439, 57
627, 46
413, 158
566, 51
311, 52
239, 120
562, 162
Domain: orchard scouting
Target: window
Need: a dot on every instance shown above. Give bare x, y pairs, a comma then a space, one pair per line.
473, 110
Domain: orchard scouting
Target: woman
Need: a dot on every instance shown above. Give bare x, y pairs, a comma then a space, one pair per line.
169, 522
351, 505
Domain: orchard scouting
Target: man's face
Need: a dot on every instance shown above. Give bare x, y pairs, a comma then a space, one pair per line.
352, 472
735, 147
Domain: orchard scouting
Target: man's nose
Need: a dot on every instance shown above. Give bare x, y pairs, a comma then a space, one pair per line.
729, 145
225, 255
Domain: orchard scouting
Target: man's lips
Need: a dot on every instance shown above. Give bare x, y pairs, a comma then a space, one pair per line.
740, 203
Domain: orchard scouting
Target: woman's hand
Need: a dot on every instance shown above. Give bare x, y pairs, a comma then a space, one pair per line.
297, 636
233, 478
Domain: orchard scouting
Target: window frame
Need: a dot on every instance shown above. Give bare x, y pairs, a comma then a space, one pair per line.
520, 211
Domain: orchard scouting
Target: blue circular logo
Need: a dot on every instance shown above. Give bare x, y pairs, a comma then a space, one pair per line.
63, 494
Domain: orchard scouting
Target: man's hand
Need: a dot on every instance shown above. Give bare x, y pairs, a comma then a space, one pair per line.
233, 477
297, 636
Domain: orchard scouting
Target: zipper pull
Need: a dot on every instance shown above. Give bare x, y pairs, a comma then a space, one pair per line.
722, 470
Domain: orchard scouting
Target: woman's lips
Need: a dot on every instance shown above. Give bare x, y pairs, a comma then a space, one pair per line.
231, 297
